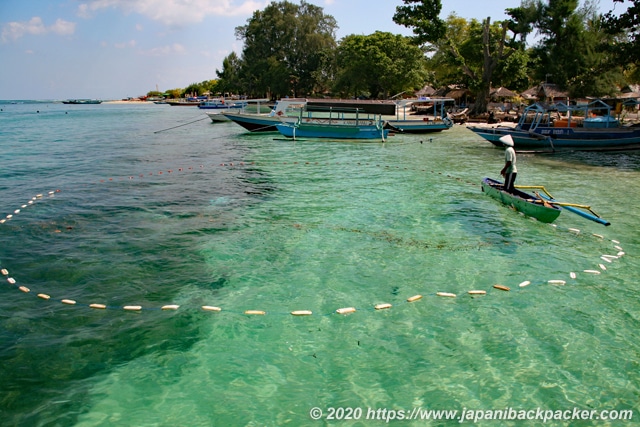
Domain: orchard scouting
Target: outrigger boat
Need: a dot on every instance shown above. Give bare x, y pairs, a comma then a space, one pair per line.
544, 208
418, 119
257, 122
222, 104
550, 128
530, 205
340, 119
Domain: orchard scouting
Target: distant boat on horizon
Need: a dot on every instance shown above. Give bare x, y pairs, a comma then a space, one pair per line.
82, 101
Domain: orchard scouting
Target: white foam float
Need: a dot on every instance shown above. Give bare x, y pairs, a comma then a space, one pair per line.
446, 294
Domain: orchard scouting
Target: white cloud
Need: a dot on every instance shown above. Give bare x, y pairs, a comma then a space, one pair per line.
130, 43
14, 30
63, 28
173, 49
175, 13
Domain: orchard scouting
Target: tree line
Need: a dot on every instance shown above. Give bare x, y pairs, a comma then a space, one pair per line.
291, 50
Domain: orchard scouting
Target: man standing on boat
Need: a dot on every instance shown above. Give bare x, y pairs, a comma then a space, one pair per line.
509, 171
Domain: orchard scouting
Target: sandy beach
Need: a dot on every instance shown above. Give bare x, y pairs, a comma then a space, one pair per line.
121, 101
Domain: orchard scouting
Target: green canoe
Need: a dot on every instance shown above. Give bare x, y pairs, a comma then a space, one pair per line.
526, 203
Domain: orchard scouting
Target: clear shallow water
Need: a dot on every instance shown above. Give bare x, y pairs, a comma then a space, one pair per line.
146, 218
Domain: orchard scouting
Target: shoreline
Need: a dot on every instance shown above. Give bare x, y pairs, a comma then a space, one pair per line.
120, 101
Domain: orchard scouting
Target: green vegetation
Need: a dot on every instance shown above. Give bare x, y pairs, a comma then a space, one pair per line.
291, 50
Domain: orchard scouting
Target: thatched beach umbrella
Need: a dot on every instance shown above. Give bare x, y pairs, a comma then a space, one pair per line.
502, 93
426, 91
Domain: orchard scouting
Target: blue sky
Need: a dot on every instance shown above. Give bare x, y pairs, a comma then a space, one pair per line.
112, 49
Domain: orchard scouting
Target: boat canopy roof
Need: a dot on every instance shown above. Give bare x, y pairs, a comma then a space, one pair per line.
369, 107
563, 107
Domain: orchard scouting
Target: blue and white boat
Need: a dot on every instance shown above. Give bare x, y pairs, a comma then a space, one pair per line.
221, 104
589, 127
340, 119
339, 129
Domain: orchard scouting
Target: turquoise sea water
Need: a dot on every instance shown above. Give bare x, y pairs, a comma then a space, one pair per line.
207, 215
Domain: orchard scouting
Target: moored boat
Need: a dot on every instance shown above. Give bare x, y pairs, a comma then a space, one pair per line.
530, 205
339, 129
340, 119
558, 127
426, 115
221, 104
82, 101
257, 122
217, 116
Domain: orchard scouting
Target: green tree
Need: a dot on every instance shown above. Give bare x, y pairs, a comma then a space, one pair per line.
175, 93
199, 89
283, 48
627, 26
229, 79
568, 53
378, 65
423, 17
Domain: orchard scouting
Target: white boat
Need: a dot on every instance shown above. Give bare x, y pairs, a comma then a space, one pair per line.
286, 109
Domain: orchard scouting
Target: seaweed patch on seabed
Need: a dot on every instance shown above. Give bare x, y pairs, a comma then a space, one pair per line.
420, 244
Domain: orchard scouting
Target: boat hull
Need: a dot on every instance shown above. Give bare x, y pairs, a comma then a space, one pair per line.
221, 106
217, 117
254, 122
521, 201
82, 101
554, 139
419, 126
334, 131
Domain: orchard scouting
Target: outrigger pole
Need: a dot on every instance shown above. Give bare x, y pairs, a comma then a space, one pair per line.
571, 207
